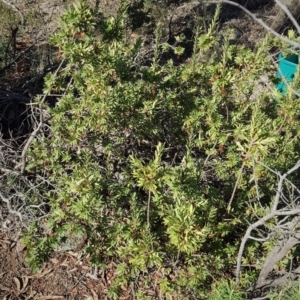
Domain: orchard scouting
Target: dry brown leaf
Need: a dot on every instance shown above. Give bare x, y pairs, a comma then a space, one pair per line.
95, 296
74, 254
31, 295
6, 241
123, 288
18, 283
21, 283
4, 288
65, 263
25, 280
40, 275
50, 297
72, 270
54, 260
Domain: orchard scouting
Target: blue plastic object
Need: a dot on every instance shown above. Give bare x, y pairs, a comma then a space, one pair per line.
287, 68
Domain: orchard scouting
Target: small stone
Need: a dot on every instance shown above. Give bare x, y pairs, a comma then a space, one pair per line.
74, 242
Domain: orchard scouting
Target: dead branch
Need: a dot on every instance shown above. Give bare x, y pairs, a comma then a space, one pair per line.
9, 206
278, 253
285, 244
37, 130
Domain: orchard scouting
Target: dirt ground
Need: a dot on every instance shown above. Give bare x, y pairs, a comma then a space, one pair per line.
65, 276
68, 275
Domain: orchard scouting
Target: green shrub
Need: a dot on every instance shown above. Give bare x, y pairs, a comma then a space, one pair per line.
226, 290
289, 292
155, 163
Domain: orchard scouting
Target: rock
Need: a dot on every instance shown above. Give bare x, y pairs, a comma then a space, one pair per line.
74, 242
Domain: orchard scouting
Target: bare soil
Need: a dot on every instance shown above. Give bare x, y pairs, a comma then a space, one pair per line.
65, 276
